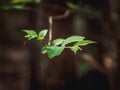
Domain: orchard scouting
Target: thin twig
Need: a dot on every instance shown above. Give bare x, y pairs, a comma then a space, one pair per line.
51, 23
50, 29
67, 12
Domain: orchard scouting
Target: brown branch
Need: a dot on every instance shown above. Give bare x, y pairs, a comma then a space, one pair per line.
67, 12
50, 29
51, 24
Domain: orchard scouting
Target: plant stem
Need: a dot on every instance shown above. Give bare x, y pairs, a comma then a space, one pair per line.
50, 30
67, 12
69, 47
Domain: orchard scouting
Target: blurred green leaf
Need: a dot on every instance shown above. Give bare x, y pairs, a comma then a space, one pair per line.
75, 49
57, 41
42, 34
19, 7
72, 39
53, 51
71, 5
25, 1
37, 1
20, 1
31, 34
44, 50
84, 42
5, 7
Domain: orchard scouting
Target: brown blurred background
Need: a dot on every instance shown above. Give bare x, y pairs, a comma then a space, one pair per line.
23, 67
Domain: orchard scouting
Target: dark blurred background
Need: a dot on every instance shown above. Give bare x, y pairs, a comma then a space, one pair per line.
23, 67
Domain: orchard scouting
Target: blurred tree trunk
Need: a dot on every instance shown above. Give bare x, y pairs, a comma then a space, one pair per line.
110, 41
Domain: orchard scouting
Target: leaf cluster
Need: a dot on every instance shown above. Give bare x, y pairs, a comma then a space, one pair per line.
21, 4
18, 4
58, 45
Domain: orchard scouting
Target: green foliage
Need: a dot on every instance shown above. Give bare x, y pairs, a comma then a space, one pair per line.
42, 34
18, 4
30, 34
44, 50
25, 1
37, 1
58, 41
84, 42
52, 51
75, 49
72, 39
5, 7
20, 1
73, 43
8, 7
19, 7
58, 45
71, 5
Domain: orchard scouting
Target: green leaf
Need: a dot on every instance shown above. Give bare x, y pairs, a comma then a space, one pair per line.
44, 50
31, 34
71, 5
57, 41
42, 34
20, 1
85, 42
74, 49
72, 39
53, 51
5, 7
19, 7
37, 1
25, 1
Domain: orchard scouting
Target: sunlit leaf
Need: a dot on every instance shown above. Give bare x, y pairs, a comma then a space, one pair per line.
57, 41
42, 34
72, 39
85, 42
31, 34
